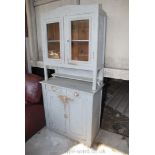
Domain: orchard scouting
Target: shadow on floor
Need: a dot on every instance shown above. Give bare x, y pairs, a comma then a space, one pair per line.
47, 142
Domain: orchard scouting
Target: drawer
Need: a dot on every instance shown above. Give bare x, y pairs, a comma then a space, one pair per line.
77, 95
56, 89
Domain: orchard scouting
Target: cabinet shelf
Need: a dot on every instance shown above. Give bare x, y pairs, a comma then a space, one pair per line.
53, 41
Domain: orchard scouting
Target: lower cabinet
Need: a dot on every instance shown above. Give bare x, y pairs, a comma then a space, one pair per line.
69, 112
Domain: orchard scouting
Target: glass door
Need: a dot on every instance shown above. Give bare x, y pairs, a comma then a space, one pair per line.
78, 36
53, 44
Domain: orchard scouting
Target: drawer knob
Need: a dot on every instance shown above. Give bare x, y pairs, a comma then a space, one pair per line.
76, 94
63, 98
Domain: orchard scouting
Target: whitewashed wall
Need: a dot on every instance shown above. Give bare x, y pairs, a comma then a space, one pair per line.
117, 46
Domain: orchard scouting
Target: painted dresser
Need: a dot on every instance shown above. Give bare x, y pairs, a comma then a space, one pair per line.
73, 39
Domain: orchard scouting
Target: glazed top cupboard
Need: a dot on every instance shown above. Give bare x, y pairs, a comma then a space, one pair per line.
74, 41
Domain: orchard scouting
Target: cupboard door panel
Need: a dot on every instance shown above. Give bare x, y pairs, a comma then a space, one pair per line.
78, 38
53, 43
57, 110
77, 113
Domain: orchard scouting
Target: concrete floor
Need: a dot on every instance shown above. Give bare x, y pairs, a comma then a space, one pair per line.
47, 142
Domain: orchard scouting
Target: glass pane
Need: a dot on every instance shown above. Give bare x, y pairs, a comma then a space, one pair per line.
53, 31
80, 51
80, 30
54, 50
53, 37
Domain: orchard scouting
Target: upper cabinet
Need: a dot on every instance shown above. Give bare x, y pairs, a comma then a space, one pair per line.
73, 41
70, 36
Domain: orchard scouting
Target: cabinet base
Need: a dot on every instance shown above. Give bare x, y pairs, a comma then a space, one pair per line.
83, 141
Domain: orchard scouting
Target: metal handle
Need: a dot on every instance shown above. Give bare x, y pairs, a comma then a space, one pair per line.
64, 99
